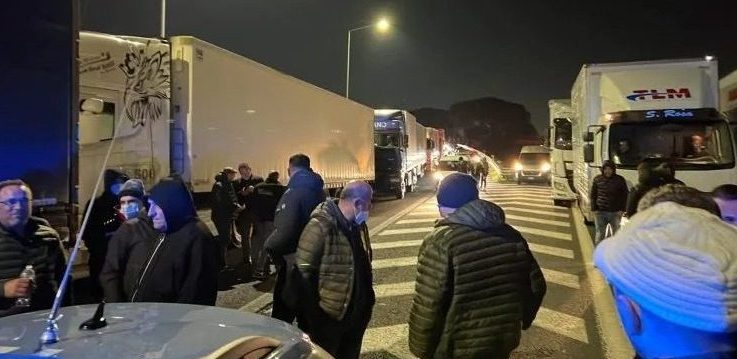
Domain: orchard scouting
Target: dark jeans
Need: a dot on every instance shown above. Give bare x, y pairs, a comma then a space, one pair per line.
95, 263
279, 308
224, 226
259, 257
602, 219
342, 339
245, 227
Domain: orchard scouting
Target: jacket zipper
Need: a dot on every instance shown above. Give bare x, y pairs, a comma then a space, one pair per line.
145, 269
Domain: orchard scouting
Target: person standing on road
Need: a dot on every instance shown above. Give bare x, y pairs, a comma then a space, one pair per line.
478, 285
484, 173
132, 196
304, 193
334, 261
224, 207
169, 259
267, 195
246, 219
726, 197
608, 200
649, 177
104, 220
672, 270
26, 240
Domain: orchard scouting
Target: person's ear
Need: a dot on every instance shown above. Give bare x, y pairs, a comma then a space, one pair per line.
629, 313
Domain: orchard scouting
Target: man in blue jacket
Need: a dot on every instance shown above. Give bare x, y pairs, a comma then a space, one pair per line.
304, 193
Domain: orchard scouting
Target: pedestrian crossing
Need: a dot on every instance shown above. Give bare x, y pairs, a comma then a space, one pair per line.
560, 322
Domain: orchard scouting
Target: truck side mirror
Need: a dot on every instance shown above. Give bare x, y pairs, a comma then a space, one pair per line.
406, 141
588, 152
588, 136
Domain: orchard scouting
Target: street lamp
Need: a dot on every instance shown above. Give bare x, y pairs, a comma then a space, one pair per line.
382, 26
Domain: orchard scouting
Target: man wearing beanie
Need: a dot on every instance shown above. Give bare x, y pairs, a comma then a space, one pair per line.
131, 199
472, 268
608, 200
673, 270
172, 259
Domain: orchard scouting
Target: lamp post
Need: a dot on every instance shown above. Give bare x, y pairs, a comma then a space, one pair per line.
382, 26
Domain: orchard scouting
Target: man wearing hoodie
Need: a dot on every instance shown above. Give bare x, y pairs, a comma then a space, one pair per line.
304, 193
334, 262
478, 285
223, 211
169, 259
608, 199
103, 222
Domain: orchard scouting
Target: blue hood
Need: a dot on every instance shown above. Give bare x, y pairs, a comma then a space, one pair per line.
306, 179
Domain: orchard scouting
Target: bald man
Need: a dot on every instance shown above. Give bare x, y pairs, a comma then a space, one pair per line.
334, 261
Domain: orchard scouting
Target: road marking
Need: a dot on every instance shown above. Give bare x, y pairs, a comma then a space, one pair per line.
561, 278
533, 211
376, 229
544, 233
425, 213
520, 198
615, 342
257, 304
553, 251
418, 220
390, 232
548, 319
385, 338
537, 220
396, 244
562, 323
550, 206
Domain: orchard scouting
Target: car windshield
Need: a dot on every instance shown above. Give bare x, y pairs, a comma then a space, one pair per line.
534, 158
688, 145
563, 131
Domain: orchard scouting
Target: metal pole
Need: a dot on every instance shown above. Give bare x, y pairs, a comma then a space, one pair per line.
163, 19
348, 66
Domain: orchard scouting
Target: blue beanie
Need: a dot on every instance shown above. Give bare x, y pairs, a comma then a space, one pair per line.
457, 189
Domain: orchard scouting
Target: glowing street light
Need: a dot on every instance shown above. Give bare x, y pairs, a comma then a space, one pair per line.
382, 26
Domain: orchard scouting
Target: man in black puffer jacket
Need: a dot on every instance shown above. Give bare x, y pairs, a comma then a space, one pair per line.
478, 284
608, 199
169, 258
224, 208
26, 240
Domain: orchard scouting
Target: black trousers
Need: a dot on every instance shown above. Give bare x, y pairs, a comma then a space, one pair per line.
224, 226
342, 339
279, 308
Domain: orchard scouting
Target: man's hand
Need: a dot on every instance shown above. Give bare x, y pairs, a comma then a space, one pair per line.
16, 288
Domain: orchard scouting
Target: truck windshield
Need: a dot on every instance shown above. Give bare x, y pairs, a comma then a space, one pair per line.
688, 145
534, 158
563, 133
386, 139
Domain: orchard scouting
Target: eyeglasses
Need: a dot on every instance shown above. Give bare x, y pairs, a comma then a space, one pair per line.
15, 201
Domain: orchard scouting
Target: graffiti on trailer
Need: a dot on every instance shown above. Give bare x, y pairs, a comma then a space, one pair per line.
146, 85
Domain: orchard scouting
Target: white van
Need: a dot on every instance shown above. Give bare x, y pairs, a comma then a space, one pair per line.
533, 165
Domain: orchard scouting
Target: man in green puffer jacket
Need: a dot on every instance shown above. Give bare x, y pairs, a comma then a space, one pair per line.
478, 284
334, 262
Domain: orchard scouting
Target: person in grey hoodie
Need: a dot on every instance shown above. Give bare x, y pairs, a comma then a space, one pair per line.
304, 193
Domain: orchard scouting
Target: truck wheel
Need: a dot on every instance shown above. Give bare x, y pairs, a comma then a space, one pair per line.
402, 190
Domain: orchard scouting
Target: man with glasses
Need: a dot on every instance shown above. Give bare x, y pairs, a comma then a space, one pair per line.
26, 240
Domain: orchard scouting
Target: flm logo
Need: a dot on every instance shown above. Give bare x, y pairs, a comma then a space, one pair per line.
668, 94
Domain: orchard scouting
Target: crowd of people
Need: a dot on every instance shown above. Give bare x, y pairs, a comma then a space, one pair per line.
672, 267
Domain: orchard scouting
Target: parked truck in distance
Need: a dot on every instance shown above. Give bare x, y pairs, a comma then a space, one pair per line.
667, 110
561, 151
728, 99
400, 151
225, 109
435, 143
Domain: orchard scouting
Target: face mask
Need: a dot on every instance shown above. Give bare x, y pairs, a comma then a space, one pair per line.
361, 217
130, 210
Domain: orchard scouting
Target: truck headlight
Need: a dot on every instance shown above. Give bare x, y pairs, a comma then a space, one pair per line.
545, 167
518, 166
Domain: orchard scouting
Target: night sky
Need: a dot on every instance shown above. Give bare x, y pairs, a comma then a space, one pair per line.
439, 52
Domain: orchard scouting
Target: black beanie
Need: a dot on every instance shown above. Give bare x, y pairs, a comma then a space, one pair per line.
133, 188
175, 200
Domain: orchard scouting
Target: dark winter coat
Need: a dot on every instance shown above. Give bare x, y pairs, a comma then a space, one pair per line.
648, 179
104, 219
477, 287
243, 183
266, 198
182, 261
609, 194
224, 199
333, 259
304, 193
40, 247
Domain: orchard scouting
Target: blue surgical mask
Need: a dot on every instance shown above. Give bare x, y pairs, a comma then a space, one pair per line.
130, 210
361, 217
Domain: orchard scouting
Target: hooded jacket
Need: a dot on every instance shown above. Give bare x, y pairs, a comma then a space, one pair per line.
304, 193
334, 259
40, 247
224, 198
178, 266
609, 194
478, 285
104, 219
648, 178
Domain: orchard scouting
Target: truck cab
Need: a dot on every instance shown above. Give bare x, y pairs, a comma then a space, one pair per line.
400, 152
561, 150
533, 165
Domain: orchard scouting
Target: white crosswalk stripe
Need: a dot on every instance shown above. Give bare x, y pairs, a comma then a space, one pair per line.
530, 198
537, 220
522, 229
535, 211
535, 248
537, 205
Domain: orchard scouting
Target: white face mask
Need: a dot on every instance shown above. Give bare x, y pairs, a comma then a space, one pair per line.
130, 210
